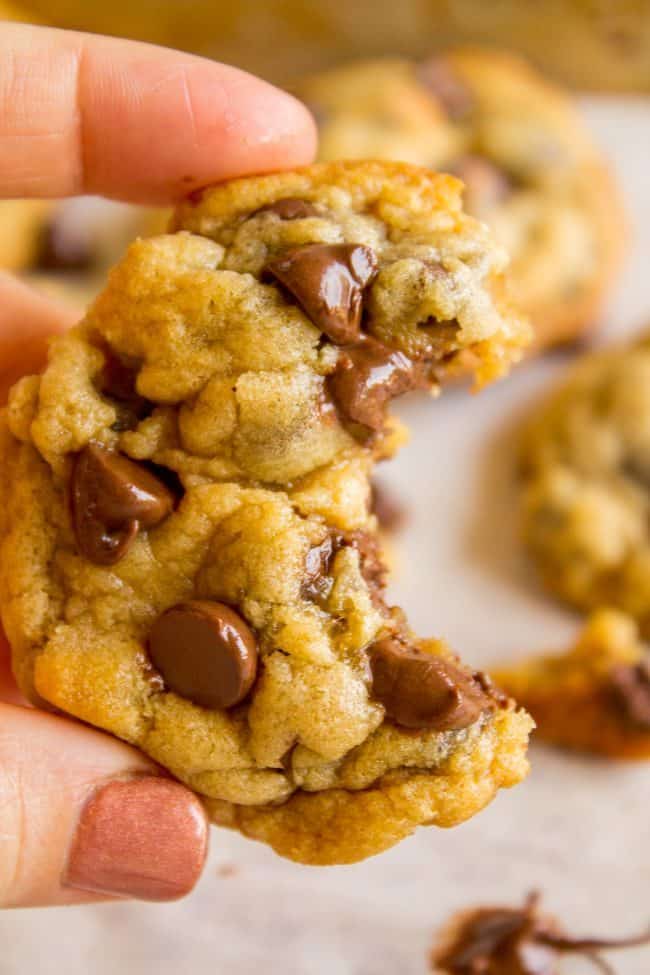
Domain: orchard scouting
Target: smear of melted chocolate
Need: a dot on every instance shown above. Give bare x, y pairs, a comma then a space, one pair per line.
518, 941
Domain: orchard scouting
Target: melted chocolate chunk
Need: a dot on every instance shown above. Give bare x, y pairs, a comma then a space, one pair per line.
373, 568
112, 498
368, 376
516, 941
500, 698
290, 208
117, 380
439, 78
637, 468
420, 690
629, 686
327, 281
387, 508
485, 184
64, 245
205, 652
318, 582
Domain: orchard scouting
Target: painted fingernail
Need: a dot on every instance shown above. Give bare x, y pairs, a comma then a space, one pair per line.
144, 837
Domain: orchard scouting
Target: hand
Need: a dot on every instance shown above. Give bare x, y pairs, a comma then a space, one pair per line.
84, 816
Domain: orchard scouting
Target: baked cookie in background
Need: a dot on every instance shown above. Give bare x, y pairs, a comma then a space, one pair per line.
193, 471
516, 941
585, 483
598, 45
21, 223
86, 235
595, 697
530, 167
72, 242
15, 12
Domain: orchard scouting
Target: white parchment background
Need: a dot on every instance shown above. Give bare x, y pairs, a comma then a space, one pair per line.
578, 829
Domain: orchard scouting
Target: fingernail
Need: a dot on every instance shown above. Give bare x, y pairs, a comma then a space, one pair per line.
144, 837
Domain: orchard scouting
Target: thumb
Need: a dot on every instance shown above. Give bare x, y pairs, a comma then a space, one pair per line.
83, 816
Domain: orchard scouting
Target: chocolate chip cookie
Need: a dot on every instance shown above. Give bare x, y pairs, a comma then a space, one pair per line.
189, 559
585, 467
529, 167
595, 697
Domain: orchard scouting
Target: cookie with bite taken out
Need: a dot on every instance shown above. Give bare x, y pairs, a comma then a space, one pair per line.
189, 559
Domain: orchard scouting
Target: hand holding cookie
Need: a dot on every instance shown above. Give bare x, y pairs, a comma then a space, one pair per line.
85, 816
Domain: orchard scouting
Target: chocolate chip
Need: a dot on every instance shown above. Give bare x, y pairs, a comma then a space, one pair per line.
490, 689
486, 185
112, 497
327, 281
117, 380
205, 652
386, 507
367, 376
317, 583
373, 568
290, 208
421, 690
64, 245
166, 476
516, 941
630, 689
440, 79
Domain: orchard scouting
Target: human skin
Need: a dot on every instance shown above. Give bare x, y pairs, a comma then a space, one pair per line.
84, 114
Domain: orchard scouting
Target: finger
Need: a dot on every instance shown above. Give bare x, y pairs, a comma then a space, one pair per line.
28, 319
85, 816
88, 114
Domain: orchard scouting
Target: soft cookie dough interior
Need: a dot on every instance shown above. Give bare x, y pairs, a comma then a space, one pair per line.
196, 458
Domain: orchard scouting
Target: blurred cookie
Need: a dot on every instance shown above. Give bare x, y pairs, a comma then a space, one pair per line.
594, 697
86, 235
71, 242
531, 169
21, 223
585, 468
189, 559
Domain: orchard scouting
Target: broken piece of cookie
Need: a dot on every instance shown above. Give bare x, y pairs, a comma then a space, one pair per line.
596, 696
